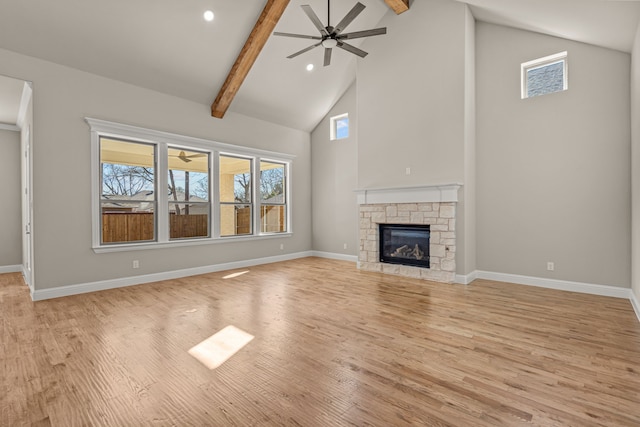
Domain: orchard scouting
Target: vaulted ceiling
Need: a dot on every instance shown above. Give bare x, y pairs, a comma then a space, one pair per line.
166, 45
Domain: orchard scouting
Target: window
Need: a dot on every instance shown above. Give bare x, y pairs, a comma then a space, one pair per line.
273, 207
155, 188
545, 75
189, 204
340, 126
128, 197
236, 216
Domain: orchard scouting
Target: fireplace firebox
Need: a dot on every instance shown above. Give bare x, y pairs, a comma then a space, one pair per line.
405, 244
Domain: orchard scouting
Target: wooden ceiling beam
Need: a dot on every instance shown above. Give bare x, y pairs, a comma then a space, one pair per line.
265, 25
398, 6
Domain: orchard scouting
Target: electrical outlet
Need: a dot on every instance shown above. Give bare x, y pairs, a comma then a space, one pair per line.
136, 263
407, 171
551, 266
344, 246
281, 246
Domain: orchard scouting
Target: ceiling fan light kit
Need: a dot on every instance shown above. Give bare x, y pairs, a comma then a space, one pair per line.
331, 37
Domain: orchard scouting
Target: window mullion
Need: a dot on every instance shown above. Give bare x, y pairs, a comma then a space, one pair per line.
214, 185
162, 185
287, 196
257, 197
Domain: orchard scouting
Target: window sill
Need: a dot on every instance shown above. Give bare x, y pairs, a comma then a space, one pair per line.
181, 243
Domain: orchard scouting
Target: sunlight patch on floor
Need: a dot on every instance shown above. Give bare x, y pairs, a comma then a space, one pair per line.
232, 275
219, 347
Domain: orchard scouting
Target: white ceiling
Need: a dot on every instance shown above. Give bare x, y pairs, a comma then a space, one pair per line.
165, 45
605, 23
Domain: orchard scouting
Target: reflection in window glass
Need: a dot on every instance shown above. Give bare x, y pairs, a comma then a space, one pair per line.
342, 128
235, 183
128, 199
545, 79
189, 200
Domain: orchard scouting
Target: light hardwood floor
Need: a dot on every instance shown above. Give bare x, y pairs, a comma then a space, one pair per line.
333, 346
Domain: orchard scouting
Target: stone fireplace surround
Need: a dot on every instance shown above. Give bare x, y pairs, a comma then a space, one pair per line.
434, 205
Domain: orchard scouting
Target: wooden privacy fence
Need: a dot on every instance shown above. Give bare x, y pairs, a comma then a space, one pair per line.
136, 226
139, 226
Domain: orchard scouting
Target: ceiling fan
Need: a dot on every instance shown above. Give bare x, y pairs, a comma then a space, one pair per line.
331, 37
187, 158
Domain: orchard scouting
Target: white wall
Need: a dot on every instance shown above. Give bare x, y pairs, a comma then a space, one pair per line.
334, 179
10, 201
553, 171
62, 220
635, 165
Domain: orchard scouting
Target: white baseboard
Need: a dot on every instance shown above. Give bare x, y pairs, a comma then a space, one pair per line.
26, 279
331, 255
10, 269
562, 285
63, 291
465, 280
635, 304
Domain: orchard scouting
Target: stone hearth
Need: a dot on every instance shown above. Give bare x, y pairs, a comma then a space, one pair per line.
433, 205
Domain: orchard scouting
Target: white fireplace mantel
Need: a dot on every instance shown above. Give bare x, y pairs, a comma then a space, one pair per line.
425, 194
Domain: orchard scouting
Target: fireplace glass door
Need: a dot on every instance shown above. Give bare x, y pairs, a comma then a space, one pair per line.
405, 244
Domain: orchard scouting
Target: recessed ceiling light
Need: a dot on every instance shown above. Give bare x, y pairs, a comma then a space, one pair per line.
208, 16
309, 67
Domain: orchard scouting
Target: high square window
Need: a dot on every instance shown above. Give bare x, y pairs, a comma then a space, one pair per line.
544, 75
339, 126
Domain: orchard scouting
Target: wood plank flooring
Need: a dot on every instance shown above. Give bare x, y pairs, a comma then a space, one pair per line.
333, 346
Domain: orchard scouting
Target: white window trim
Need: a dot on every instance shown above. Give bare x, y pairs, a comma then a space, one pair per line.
333, 126
543, 62
163, 140
258, 202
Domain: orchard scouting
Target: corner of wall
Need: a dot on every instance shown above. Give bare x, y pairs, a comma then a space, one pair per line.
635, 171
469, 263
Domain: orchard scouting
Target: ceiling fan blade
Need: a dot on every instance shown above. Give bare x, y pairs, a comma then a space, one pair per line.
361, 53
298, 36
306, 49
327, 56
314, 18
353, 13
365, 33
182, 156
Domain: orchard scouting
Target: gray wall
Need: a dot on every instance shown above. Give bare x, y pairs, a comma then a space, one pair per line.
10, 210
466, 257
554, 178
61, 157
411, 99
334, 179
635, 162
